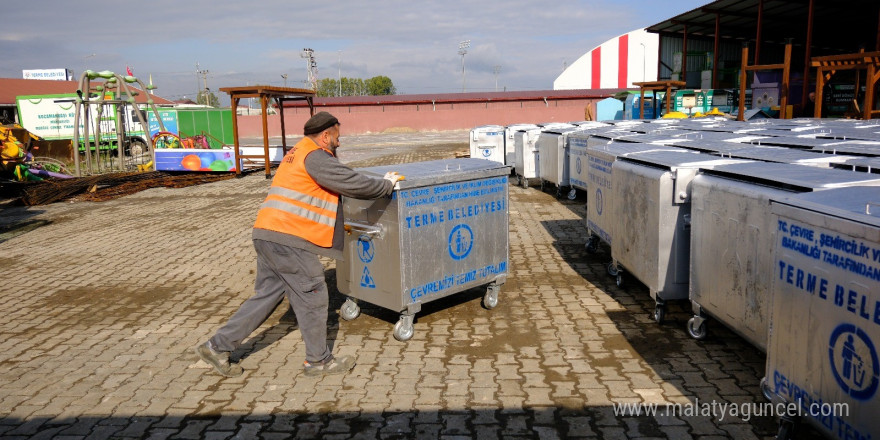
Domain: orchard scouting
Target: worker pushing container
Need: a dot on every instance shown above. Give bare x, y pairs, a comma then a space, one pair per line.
444, 230
651, 224
487, 142
822, 356
732, 239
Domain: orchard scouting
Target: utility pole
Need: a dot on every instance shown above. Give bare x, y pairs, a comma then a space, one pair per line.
204, 74
339, 74
462, 50
311, 67
496, 69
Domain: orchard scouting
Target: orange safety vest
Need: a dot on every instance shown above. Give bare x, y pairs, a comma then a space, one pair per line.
296, 204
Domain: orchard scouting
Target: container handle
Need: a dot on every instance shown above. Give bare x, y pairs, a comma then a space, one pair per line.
370, 231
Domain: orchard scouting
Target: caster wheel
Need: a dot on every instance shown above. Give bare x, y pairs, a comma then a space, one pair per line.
591, 247
572, 194
403, 330
785, 431
659, 314
519, 180
525, 183
619, 279
543, 185
612, 270
490, 299
765, 389
349, 310
697, 332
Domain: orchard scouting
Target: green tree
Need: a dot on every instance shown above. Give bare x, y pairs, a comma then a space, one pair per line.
208, 98
328, 87
380, 85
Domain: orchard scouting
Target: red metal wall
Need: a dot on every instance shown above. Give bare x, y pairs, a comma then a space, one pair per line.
377, 118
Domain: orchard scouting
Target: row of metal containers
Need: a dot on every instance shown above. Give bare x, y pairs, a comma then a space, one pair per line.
716, 229
786, 255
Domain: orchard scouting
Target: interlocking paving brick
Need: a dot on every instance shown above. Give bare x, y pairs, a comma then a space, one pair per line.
120, 292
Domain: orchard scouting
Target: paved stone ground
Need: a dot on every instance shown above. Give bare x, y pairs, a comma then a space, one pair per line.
103, 303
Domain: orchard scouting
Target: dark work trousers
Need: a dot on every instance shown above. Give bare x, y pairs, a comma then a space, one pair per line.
283, 271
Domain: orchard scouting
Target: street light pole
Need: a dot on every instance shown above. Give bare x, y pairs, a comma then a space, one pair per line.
339, 74
462, 50
496, 69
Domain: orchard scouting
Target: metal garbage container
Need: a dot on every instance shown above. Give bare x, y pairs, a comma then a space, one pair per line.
552, 147
600, 200
578, 143
510, 142
732, 239
443, 231
651, 220
487, 142
825, 315
526, 160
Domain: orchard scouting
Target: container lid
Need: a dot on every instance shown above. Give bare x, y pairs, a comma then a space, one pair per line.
709, 145
857, 203
871, 162
436, 172
489, 128
674, 159
793, 177
785, 155
793, 141
624, 148
858, 148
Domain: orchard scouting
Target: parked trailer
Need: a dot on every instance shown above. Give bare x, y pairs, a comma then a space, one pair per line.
487, 142
444, 230
822, 354
651, 220
732, 239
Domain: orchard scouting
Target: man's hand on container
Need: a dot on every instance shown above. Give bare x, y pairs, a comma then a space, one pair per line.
394, 177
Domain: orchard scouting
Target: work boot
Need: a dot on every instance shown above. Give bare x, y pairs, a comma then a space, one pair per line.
218, 360
331, 365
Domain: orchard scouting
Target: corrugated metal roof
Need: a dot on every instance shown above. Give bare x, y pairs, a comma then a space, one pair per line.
12, 87
838, 26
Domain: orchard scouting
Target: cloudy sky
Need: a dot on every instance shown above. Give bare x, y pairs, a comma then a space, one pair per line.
415, 43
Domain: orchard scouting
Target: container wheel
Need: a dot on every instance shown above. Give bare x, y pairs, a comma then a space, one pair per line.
697, 332
572, 194
524, 182
403, 330
786, 428
558, 192
490, 299
349, 310
765, 389
613, 271
543, 185
591, 246
619, 279
659, 313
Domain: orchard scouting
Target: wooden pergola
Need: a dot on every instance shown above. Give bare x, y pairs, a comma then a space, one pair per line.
785, 66
826, 67
654, 87
265, 93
